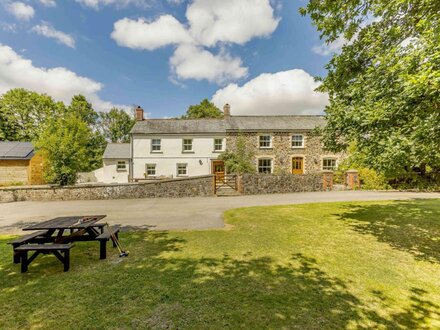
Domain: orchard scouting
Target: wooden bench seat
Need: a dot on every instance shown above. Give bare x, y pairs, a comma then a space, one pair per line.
26, 238
103, 238
55, 249
30, 238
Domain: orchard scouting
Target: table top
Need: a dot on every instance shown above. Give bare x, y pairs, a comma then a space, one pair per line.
71, 222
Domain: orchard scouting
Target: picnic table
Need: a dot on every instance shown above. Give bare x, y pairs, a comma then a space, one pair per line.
57, 236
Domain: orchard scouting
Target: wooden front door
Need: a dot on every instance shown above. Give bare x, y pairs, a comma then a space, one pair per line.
297, 165
218, 168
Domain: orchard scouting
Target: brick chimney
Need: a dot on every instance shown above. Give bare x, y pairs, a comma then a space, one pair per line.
227, 110
139, 113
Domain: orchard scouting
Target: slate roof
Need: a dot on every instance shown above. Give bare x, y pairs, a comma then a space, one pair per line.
179, 126
233, 123
117, 151
16, 150
274, 123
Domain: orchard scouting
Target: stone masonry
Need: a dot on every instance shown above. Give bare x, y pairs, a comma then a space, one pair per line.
282, 151
185, 187
254, 184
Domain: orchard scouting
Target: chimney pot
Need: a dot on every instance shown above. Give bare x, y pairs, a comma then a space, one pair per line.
139, 113
227, 110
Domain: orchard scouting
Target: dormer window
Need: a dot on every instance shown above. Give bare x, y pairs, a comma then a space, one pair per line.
265, 141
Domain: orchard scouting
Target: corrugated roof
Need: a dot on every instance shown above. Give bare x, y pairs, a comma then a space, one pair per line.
16, 150
234, 123
117, 151
179, 126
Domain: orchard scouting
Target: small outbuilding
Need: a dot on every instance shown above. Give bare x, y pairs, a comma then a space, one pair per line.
116, 162
20, 164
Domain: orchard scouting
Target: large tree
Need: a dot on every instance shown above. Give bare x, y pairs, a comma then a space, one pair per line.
83, 108
95, 143
24, 114
384, 86
205, 109
115, 125
64, 148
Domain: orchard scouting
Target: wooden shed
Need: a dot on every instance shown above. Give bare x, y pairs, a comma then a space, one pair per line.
20, 164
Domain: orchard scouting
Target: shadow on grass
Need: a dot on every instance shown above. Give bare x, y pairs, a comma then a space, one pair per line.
159, 287
411, 226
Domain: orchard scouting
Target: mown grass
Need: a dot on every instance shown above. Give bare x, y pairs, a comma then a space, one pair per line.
316, 266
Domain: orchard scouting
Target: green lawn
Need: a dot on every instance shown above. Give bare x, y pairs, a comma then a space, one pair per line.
315, 266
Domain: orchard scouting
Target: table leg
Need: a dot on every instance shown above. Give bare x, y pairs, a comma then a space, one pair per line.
66, 260
102, 249
24, 261
16, 256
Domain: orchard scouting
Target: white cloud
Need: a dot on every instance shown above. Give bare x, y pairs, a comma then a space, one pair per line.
331, 48
210, 23
21, 10
194, 62
213, 21
8, 27
48, 3
60, 83
282, 93
47, 30
139, 34
97, 4
176, 2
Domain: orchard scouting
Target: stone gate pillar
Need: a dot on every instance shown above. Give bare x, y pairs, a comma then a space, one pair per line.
327, 180
352, 181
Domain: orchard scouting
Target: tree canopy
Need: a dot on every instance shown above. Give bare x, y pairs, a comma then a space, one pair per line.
384, 86
115, 125
205, 109
64, 148
24, 114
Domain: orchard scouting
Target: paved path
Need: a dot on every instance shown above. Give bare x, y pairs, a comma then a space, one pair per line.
176, 213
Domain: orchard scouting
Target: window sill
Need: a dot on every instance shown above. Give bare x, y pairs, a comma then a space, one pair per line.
187, 152
121, 170
217, 151
182, 176
156, 152
266, 148
297, 147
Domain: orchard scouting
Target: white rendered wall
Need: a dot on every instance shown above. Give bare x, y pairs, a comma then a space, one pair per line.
109, 174
199, 160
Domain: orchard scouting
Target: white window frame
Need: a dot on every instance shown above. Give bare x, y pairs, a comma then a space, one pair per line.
263, 159
146, 169
186, 144
329, 168
153, 145
216, 144
186, 169
119, 166
270, 141
292, 140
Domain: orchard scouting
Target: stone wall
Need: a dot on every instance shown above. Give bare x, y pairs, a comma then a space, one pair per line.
254, 184
184, 187
282, 151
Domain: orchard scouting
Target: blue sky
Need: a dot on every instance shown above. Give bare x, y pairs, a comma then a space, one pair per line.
161, 58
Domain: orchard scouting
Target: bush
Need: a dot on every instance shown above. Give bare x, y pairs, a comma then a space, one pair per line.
372, 180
